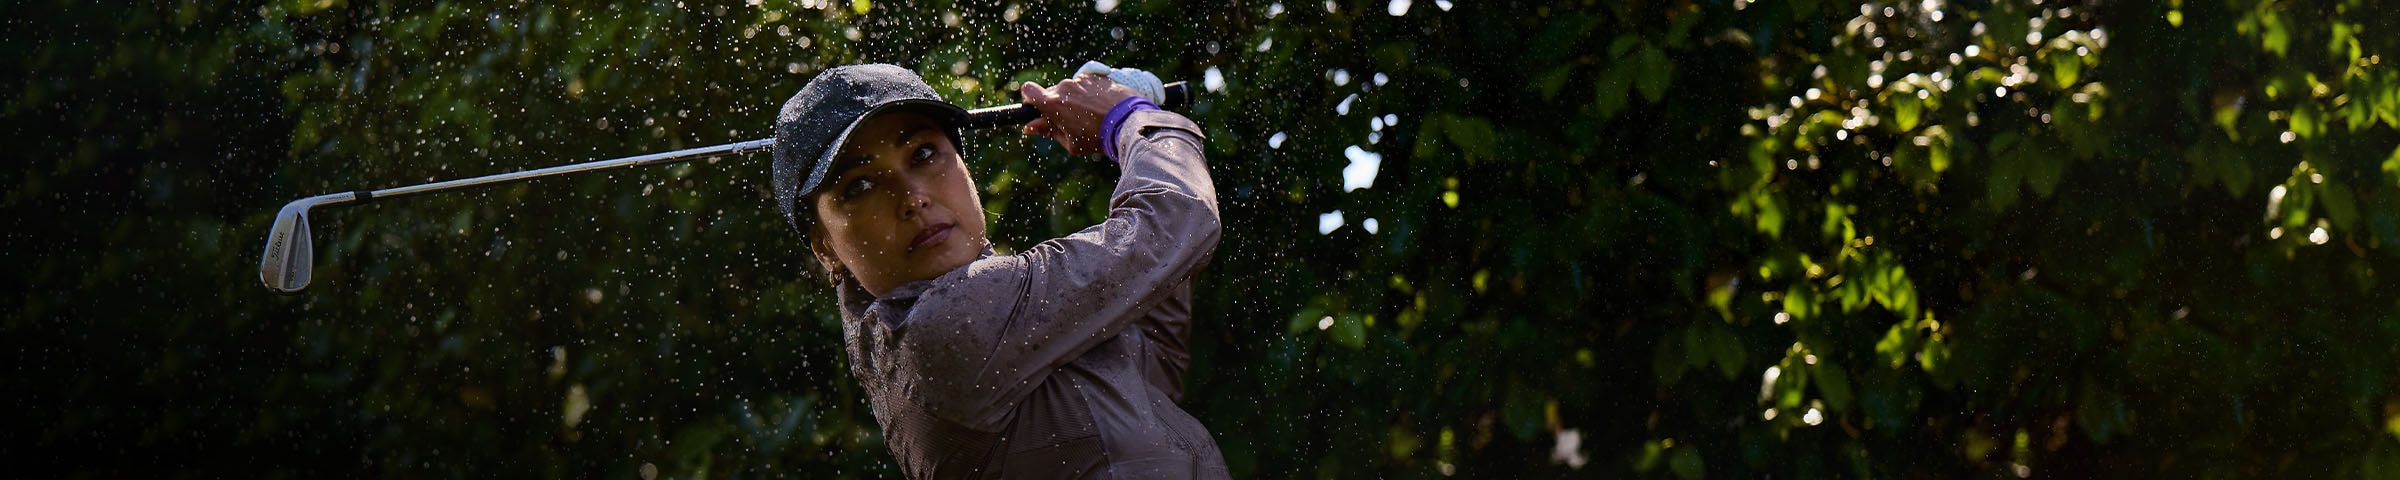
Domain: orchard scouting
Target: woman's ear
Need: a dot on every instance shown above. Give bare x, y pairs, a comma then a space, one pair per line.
823, 250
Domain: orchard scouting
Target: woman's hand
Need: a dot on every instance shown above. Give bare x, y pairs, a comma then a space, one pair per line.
1073, 110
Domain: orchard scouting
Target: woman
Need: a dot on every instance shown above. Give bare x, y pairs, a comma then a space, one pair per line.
1064, 361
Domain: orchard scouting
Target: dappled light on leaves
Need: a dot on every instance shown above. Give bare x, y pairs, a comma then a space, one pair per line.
1920, 238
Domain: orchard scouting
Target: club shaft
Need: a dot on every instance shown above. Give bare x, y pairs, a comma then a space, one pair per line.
661, 158
1178, 96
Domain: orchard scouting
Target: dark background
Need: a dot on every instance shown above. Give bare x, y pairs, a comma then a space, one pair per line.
1722, 239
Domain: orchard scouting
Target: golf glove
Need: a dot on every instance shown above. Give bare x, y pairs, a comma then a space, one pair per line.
1141, 82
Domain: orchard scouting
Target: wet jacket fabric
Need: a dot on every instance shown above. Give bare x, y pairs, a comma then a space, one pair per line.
1065, 360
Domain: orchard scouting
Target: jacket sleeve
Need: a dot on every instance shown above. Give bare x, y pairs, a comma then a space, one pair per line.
1065, 296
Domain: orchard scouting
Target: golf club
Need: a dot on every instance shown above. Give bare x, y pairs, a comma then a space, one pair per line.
290, 259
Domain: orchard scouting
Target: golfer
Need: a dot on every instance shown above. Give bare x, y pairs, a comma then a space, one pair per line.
1062, 361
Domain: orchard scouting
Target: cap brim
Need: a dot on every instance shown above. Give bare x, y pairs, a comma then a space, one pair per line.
950, 116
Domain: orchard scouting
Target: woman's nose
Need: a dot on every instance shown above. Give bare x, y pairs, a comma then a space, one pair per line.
913, 202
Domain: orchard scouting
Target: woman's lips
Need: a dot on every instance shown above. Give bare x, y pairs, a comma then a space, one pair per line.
929, 236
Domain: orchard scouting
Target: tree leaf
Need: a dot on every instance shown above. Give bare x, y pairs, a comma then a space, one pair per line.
1656, 70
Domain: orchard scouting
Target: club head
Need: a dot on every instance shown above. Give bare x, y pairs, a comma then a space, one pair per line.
290, 255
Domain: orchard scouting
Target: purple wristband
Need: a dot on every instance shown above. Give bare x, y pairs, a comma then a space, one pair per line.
1116, 119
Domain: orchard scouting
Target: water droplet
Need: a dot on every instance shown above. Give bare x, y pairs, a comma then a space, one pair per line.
1213, 79
1344, 107
1276, 142
1371, 225
1398, 8
1325, 225
1104, 6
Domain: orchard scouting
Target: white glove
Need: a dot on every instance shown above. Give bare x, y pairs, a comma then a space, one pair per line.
1143, 83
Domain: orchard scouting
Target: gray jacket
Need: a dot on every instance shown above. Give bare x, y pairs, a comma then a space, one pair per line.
1066, 360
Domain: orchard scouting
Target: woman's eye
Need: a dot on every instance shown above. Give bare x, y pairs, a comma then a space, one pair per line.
924, 153
857, 187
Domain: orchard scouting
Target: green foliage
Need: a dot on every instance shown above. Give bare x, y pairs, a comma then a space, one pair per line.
1687, 239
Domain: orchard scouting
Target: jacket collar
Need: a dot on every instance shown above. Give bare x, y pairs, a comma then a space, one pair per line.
893, 305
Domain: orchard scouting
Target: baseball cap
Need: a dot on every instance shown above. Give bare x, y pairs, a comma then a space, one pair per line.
818, 120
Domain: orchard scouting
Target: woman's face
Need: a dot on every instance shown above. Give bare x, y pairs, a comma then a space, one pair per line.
898, 205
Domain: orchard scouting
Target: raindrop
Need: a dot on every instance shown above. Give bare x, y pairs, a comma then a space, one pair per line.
1373, 226
1340, 77
1325, 225
1344, 107
1398, 8
1445, 4
1391, 120
1104, 6
1213, 79
1268, 43
1275, 9
1276, 142
2317, 236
